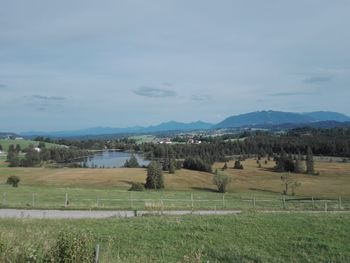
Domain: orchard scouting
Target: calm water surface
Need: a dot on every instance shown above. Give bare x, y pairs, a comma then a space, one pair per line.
110, 159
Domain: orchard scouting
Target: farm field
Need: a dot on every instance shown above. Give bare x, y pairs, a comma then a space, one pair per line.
253, 187
249, 237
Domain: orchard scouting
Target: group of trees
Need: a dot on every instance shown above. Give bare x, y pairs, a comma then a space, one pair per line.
35, 156
197, 164
327, 142
132, 162
295, 163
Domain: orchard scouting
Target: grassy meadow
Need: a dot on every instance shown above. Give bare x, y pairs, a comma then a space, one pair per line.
107, 188
249, 237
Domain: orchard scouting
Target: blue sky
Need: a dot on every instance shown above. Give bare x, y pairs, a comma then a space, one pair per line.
77, 64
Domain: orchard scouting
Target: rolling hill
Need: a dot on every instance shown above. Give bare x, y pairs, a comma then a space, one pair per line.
271, 118
260, 119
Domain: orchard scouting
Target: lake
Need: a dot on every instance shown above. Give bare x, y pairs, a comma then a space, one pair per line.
110, 159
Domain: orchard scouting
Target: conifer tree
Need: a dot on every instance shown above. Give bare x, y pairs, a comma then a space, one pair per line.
310, 169
154, 178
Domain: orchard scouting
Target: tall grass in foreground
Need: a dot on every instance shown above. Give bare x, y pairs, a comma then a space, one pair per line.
243, 238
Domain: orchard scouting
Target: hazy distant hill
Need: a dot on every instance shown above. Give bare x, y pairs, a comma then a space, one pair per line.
278, 117
166, 126
6, 134
263, 117
327, 116
268, 119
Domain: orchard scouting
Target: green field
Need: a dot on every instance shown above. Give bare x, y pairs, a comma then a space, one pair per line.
107, 189
52, 197
241, 238
23, 143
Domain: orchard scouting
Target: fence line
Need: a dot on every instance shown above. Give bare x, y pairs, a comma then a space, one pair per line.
33, 200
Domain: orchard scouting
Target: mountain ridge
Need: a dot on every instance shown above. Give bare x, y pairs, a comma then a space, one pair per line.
251, 119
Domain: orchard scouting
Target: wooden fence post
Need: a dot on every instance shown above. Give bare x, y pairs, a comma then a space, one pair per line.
33, 200
223, 201
66, 201
131, 201
254, 201
161, 204
4, 199
340, 206
325, 206
313, 202
284, 202
192, 206
97, 202
97, 253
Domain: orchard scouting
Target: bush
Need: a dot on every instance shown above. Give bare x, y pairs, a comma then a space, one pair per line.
71, 246
221, 181
13, 180
137, 187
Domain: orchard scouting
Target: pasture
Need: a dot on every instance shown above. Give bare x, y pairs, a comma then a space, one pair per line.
250, 237
251, 188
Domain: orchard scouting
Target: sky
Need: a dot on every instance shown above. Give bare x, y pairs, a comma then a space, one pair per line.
73, 64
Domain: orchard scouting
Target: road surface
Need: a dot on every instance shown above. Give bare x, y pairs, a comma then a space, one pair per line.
80, 214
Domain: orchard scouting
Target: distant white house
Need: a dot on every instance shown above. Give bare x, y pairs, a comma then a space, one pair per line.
193, 141
37, 149
165, 141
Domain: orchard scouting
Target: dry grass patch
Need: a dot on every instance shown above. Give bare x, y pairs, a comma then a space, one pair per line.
333, 181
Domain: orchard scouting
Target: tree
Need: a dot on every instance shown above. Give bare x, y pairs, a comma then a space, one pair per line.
155, 179
238, 165
284, 162
13, 180
0, 147
221, 181
132, 162
299, 167
310, 169
31, 158
18, 148
289, 183
12, 157
172, 166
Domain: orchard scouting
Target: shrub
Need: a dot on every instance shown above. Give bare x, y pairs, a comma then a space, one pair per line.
221, 181
71, 246
13, 180
137, 187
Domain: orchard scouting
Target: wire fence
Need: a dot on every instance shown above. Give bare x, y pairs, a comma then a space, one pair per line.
149, 201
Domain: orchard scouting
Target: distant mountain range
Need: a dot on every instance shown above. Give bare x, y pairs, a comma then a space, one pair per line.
166, 126
253, 119
279, 117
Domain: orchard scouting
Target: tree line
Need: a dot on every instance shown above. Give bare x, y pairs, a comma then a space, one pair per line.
34, 156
